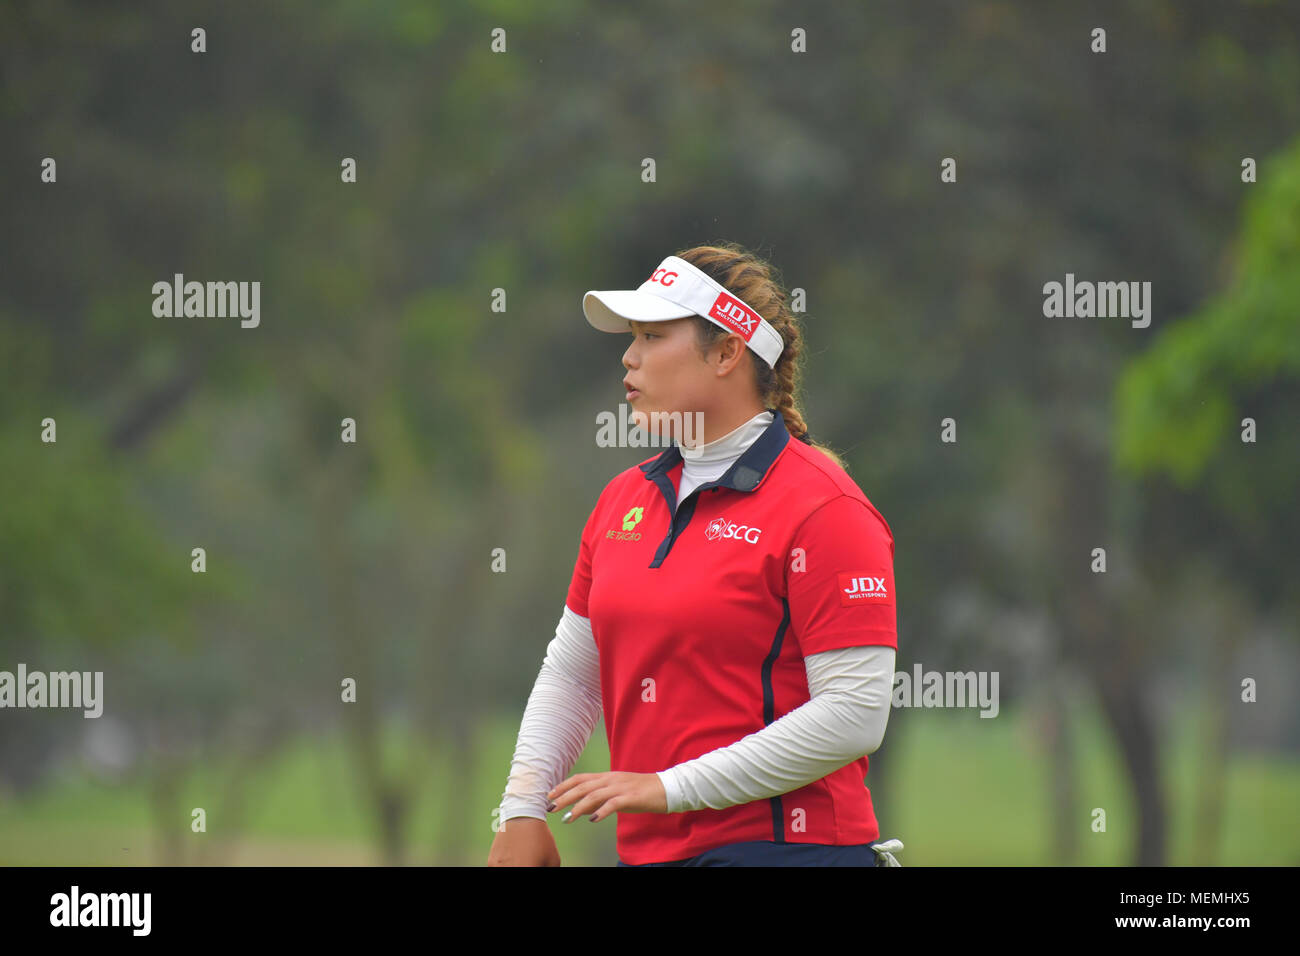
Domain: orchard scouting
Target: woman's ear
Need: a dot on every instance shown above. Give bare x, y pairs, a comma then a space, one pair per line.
733, 349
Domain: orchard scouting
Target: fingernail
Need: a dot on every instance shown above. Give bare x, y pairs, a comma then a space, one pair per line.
592, 818
550, 807
566, 816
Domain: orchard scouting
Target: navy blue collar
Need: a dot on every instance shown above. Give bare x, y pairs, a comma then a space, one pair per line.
746, 471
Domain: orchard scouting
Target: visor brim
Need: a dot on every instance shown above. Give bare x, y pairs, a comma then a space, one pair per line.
610, 311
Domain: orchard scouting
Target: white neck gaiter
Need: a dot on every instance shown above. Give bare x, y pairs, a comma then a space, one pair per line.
708, 462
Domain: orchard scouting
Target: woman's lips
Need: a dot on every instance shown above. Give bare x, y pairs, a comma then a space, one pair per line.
632, 394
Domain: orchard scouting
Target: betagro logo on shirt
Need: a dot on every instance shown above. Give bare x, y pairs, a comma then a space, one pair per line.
630, 521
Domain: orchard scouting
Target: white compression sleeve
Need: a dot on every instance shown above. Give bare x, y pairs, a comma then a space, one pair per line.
562, 711
851, 693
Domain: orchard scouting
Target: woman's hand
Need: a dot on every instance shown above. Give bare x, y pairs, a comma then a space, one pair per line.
524, 841
599, 794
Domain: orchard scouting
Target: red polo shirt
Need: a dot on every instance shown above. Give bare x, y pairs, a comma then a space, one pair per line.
703, 618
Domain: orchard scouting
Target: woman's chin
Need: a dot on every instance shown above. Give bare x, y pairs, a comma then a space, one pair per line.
654, 422
642, 419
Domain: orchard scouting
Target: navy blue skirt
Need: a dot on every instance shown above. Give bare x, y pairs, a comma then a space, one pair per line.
770, 853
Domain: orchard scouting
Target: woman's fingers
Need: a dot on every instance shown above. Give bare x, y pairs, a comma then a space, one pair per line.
588, 803
576, 780
599, 794
573, 790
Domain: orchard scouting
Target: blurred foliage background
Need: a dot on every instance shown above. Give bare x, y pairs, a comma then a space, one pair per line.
521, 170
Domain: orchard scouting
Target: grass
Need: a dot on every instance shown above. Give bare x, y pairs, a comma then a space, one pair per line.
963, 791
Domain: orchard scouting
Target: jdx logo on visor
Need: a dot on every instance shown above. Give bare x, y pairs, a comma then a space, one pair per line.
735, 315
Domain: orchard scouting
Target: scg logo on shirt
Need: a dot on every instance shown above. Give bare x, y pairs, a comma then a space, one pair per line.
862, 588
722, 528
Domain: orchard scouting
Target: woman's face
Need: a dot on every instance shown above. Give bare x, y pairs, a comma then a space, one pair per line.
665, 368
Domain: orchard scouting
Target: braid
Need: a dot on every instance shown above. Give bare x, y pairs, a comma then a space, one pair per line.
784, 377
755, 282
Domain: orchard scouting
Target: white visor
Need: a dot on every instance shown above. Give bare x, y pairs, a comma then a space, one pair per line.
678, 290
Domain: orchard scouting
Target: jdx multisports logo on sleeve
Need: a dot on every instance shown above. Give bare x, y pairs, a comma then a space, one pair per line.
858, 588
722, 528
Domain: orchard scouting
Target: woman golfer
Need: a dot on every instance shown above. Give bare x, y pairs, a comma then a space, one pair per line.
731, 611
